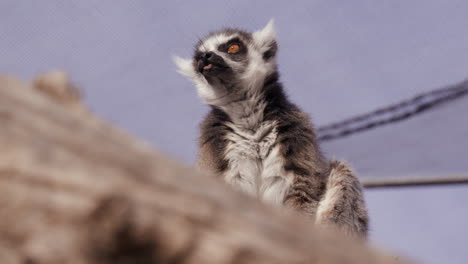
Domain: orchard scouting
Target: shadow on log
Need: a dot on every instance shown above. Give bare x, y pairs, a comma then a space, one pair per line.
74, 189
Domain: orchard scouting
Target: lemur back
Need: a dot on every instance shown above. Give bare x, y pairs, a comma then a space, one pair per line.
260, 142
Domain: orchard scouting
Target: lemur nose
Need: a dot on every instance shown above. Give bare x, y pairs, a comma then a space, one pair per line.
207, 55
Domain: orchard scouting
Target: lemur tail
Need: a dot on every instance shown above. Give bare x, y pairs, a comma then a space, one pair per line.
342, 205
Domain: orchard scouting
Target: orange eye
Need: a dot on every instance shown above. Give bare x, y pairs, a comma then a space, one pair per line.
234, 48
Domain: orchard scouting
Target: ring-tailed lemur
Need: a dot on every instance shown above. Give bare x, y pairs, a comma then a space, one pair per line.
260, 142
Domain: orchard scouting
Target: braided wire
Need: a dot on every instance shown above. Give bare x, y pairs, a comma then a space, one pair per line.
392, 113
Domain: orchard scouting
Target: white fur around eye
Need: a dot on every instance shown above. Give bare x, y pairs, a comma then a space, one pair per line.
212, 43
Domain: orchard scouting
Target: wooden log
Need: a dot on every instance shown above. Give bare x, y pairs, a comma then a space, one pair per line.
74, 189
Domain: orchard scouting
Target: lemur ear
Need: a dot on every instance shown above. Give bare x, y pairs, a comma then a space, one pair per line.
184, 66
265, 40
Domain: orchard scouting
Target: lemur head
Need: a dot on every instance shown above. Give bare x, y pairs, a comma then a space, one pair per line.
230, 63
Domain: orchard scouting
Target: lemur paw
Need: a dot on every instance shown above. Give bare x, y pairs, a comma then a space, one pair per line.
342, 206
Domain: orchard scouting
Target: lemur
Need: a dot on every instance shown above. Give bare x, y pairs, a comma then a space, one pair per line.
261, 143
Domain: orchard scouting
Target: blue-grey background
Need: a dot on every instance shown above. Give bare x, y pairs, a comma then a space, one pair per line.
337, 59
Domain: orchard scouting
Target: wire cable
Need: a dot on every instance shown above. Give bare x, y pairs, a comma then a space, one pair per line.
392, 113
386, 182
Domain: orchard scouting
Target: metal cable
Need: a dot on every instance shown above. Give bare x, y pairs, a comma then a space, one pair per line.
393, 113
413, 181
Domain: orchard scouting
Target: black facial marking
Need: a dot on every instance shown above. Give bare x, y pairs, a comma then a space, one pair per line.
214, 67
245, 36
271, 52
239, 55
216, 62
225, 46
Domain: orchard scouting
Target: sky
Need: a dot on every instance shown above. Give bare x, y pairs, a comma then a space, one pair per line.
337, 59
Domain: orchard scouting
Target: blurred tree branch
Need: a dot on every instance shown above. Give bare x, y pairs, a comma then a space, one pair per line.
74, 189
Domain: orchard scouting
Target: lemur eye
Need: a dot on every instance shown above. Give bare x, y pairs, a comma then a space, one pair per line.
234, 48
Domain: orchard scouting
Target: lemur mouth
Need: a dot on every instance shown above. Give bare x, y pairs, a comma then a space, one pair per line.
209, 68
210, 64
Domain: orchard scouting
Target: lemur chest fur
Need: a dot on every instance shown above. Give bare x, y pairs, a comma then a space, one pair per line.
255, 164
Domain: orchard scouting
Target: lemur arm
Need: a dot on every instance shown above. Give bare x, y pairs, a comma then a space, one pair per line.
205, 160
342, 205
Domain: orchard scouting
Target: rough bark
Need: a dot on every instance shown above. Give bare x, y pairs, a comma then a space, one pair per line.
74, 189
